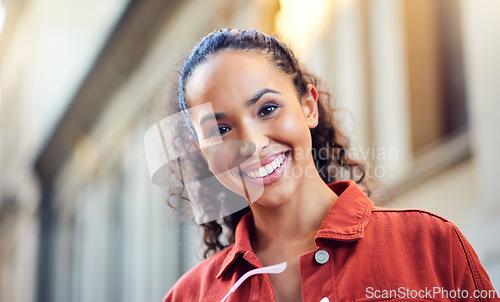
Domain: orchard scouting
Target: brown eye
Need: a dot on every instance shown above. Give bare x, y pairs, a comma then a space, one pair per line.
219, 130
267, 109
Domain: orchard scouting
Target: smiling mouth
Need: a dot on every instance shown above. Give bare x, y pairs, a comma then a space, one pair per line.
267, 169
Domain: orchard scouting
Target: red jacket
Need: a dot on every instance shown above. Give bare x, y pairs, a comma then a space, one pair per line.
364, 253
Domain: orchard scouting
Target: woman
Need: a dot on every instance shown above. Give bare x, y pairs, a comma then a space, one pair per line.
251, 110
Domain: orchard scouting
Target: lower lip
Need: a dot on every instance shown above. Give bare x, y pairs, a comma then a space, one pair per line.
274, 176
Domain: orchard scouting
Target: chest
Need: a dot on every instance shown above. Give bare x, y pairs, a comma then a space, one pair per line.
340, 274
304, 276
287, 285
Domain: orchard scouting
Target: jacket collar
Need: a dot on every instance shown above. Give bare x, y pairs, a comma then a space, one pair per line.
345, 221
242, 245
349, 215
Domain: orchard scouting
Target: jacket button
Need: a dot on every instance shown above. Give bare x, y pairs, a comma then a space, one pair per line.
321, 256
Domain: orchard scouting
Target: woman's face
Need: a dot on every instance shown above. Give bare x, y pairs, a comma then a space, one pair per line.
255, 135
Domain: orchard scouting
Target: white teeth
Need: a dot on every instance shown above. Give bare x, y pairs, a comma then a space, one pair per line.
267, 169
275, 165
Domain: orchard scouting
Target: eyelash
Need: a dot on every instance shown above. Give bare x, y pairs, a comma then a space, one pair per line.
267, 106
216, 131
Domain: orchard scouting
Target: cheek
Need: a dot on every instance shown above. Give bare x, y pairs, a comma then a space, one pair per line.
224, 156
293, 128
219, 163
216, 157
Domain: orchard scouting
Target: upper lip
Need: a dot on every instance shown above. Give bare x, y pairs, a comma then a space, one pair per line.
266, 160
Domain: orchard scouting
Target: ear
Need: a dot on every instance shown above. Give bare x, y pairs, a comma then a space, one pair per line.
310, 106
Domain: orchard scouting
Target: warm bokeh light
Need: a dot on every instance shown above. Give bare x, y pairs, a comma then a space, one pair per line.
2, 16
301, 21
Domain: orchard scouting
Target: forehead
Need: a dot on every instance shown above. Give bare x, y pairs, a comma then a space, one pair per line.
233, 74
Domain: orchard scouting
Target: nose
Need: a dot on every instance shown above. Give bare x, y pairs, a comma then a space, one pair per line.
247, 148
252, 140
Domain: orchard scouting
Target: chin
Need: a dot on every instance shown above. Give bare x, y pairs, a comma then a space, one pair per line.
267, 204
272, 200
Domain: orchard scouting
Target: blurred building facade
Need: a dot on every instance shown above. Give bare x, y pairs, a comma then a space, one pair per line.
80, 219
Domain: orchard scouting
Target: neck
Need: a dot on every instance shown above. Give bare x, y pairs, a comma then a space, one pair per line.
296, 221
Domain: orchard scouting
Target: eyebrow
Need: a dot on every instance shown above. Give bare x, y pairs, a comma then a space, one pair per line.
258, 95
216, 116
250, 102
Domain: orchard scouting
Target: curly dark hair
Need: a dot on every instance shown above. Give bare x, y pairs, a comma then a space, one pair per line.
333, 164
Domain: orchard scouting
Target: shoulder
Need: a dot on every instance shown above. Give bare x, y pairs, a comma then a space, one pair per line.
414, 233
423, 231
407, 212
411, 220
436, 238
189, 286
428, 234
